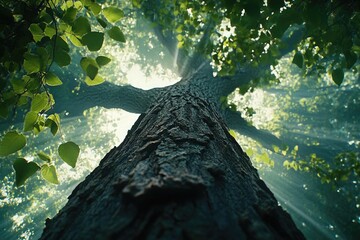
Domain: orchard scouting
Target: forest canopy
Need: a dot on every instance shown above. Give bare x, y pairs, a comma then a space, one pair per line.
41, 41
38, 34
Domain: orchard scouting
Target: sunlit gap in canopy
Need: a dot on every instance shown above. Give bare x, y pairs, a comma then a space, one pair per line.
26, 208
128, 67
309, 109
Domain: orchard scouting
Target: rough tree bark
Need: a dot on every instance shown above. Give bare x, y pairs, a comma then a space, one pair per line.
178, 174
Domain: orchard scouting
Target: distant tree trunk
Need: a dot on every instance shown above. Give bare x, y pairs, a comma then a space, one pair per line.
178, 174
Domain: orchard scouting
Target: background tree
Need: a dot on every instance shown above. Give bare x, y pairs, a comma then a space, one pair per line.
252, 64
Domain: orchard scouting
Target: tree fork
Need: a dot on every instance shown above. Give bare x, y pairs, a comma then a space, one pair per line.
178, 174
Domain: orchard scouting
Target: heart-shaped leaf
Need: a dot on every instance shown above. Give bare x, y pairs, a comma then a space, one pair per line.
49, 173
93, 40
69, 152
24, 170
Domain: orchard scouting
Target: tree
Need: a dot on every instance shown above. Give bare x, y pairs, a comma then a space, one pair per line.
253, 62
179, 174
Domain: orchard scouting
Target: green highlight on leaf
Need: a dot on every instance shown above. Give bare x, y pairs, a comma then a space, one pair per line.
43, 156
93, 82
93, 40
337, 76
113, 14
49, 173
94, 7
116, 34
11, 142
52, 80
69, 153
30, 120
24, 170
75, 40
232, 133
49, 31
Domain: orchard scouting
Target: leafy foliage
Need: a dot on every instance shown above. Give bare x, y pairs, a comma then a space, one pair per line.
253, 31
34, 36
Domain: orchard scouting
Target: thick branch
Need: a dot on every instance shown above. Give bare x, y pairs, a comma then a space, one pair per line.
326, 148
236, 122
106, 95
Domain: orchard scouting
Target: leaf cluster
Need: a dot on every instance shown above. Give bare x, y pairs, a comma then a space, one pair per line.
34, 35
258, 32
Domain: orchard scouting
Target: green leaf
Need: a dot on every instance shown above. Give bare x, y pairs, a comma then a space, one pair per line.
95, 8
298, 59
351, 59
30, 119
355, 48
86, 61
49, 173
24, 170
116, 34
337, 76
36, 31
101, 22
44, 58
92, 71
39, 125
52, 80
61, 44
96, 81
69, 152
81, 26
93, 40
232, 133
40, 102
11, 142
4, 111
43, 156
49, 31
18, 85
32, 63
53, 121
113, 14
102, 60
70, 15
75, 40
62, 58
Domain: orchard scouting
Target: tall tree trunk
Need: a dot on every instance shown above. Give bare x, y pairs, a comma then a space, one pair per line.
178, 174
